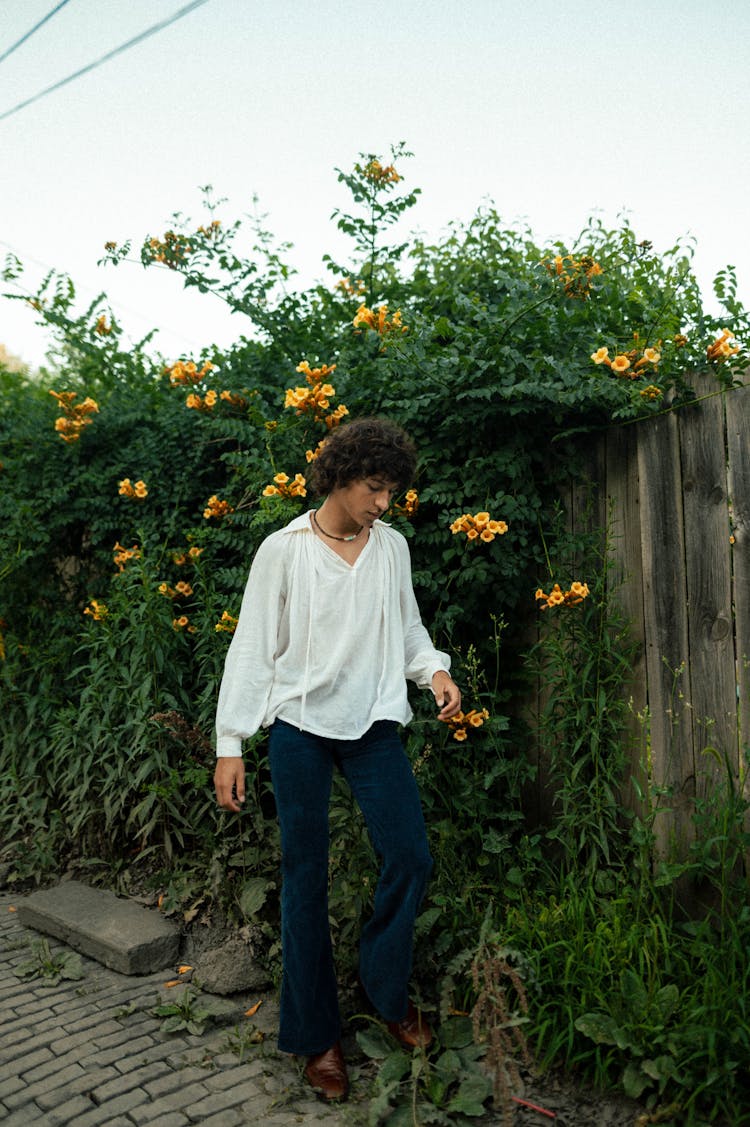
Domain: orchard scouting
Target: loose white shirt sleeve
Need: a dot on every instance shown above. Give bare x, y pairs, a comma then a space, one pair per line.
323, 644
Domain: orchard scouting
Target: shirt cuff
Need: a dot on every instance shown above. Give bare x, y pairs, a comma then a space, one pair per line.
228, 747
425, 681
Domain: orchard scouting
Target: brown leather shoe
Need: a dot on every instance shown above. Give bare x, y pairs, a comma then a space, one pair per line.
326, 1074
413, 1032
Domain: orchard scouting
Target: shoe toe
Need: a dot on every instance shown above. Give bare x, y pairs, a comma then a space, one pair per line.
326, 1074
413, 1031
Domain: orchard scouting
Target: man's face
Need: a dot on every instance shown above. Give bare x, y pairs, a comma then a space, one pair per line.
366, 499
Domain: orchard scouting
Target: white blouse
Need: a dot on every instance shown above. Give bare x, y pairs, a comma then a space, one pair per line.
323, 644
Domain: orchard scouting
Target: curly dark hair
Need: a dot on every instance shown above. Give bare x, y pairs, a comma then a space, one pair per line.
363, 448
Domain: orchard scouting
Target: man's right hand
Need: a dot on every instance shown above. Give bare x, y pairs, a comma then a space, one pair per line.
229, 782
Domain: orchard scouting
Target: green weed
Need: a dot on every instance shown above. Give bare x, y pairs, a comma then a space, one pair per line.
52, 968
186, 1014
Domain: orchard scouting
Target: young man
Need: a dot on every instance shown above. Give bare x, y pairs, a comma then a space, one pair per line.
328, 632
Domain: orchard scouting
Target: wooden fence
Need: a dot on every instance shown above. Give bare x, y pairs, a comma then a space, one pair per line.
675, 489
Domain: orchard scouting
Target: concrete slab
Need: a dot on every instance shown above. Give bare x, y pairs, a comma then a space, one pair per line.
120, 934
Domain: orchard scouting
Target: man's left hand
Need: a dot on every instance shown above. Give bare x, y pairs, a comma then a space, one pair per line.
447, 694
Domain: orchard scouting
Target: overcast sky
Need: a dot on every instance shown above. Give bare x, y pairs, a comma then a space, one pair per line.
552, 110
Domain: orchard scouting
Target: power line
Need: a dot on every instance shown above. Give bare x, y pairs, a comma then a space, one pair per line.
105, 58
29, 34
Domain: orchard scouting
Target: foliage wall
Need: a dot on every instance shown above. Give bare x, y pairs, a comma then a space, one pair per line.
135, 490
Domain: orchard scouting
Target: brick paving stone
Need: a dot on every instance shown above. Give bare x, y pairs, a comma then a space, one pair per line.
11, 1050
113, 1111
20, 1025
176, 1078
217, 1101
28, 1114
58, 1078
113, 1056
227, 1059
146, 1114
190, 1055
230, 1118
135, 1046
9, 1085
244, 1070
31, 1007
135, 1078
18, 1099
31, 1060
256, 1110
103, 1118
42, 1031
142, 1017
277, 1083
103, 1005
119, 1035
61, 1043
16, 990
56, 1067
75, 1010
171, 1119
51, 1094
68, 1111
155, 1052
52, 993
91, 1021
283, 1119
176, 1100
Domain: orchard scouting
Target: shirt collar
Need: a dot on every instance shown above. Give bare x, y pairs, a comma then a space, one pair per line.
299, 524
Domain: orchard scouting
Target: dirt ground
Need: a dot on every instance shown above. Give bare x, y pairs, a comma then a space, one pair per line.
570, 1104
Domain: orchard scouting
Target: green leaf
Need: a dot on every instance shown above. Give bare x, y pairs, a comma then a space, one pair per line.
602, 1030
667, 1000
634, 992
402, 1116
375, 1043
379, 1109
394, 1068
70, 966
166, 1010
436, 1087
425, 921
494, 842
634, 1081
471, 1095
456, 1032
253, 895
449, 1064
660, 1068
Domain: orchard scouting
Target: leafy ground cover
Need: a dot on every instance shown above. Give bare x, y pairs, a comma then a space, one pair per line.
135, 490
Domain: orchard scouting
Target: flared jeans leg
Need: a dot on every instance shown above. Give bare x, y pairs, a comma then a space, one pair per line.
301, 771
382, 782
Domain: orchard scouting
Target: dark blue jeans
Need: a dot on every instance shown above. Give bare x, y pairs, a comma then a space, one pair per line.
378, 772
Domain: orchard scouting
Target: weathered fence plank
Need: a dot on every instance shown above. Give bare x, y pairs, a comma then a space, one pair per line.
625, 580
665, 626
713, 692
738, 459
